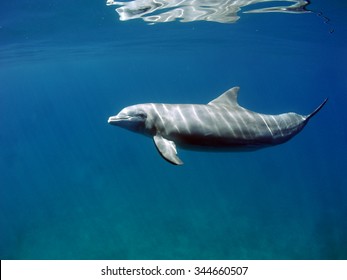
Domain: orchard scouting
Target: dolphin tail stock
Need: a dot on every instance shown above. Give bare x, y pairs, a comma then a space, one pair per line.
317, 110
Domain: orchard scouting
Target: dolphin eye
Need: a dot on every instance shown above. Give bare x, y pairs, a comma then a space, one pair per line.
141, 115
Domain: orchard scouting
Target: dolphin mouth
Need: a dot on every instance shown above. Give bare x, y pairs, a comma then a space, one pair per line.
115, 119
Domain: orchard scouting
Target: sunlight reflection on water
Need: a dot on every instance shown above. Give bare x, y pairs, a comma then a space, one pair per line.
222, 11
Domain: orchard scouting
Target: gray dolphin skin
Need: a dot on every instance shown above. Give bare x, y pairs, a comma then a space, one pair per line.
220, 125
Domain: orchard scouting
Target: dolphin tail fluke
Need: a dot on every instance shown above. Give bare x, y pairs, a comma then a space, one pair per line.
317, 110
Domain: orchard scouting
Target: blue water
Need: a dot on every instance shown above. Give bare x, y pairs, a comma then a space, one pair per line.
74, 187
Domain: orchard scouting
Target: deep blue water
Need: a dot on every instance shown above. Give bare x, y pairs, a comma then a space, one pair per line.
74, 187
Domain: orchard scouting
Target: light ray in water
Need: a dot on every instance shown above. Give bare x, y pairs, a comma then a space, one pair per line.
222, 11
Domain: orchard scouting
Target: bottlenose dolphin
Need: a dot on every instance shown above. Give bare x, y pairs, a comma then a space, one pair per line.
222, 125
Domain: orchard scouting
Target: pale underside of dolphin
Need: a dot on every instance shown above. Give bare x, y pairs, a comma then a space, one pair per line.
220, 125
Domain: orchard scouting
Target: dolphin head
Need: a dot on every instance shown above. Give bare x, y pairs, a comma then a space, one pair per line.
132, 118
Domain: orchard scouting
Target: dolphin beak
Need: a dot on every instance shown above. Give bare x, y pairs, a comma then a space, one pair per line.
116, 119
113, 119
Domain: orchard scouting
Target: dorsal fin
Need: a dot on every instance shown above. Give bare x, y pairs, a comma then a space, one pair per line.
228, 98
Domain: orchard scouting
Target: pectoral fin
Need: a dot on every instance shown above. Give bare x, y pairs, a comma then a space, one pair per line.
167, 149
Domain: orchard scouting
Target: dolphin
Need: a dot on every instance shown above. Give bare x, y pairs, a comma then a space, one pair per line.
222, 125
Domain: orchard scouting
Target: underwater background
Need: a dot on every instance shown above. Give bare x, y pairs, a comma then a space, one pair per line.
74, 187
